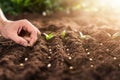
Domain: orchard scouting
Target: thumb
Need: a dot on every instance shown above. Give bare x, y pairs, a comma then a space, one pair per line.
19, 40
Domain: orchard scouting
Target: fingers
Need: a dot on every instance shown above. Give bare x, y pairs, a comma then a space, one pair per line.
32, 30
19, 40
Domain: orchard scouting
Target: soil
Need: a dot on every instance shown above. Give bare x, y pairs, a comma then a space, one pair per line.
68, 58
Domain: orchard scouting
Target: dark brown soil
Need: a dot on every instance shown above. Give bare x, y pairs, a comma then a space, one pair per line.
69, 58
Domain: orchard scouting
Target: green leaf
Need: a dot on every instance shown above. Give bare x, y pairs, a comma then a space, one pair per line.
48, 36
63, 33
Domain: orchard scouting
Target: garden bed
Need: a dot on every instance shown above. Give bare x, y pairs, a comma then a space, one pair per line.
82, 52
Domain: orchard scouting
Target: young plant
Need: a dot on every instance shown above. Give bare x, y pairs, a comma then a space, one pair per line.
48, 36
116, 35
82, 36
63, 34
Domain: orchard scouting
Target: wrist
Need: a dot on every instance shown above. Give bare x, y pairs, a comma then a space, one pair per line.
3, 23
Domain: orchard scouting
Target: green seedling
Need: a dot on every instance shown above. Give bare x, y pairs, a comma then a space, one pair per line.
63, 34
82, 36
48, 36
116, 35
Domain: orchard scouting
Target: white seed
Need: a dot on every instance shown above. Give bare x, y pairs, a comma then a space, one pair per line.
21, 64
49, 57
71, 67
86, 49
69, 58
68, 54
101, 44
50, 50
67, 49
114, 58
90, 59
119, 65
49, 65
26, 59
44, 13
91, 65
107, 50
88, 53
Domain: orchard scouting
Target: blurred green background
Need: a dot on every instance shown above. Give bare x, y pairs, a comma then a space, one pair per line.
15, 7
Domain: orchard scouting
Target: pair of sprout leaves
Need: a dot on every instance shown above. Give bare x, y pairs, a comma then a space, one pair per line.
51, 35
82, 36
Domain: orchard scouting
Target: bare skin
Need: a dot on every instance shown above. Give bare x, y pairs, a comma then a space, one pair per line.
11, 29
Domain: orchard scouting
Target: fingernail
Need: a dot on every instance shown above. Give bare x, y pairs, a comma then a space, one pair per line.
25, 44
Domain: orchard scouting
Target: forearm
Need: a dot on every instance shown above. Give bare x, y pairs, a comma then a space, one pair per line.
3, 19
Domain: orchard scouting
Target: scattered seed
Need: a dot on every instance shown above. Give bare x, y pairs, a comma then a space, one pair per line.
107, 50
28, 45
90, 59
49, 65
114, 58
86, 49
68, 54
44, 13
21, 64
88, 53
67, 49
101, 44
119, 65
26, 59
50, 50
49, 57
71, 67
69, 58
91, 65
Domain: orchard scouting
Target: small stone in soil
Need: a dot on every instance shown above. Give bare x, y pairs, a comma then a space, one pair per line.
119, 65
50, 52
21, 64
88, 53
26, 59
69, 58
90, 59
114, 58
49, 65
68, 54
71, 67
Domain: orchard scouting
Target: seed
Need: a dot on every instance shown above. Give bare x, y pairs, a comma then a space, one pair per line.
21, 64
107, 50
101, 44
114, 58
44, 13
86, 49
49, 57
119, 65
90, 59
68, 54
49, 65
88, 53
69, 58
67, 49
26, 59
71, 67
50, 50
91, 65
28, 45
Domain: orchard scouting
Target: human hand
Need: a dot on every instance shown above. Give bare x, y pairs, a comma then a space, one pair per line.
13, 29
